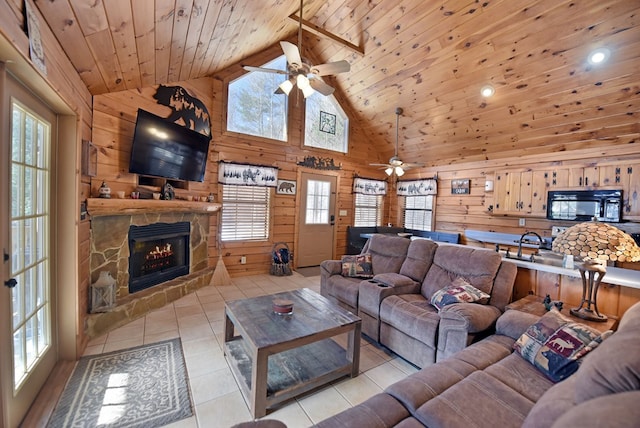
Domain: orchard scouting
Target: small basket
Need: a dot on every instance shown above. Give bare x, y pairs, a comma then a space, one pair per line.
281, 259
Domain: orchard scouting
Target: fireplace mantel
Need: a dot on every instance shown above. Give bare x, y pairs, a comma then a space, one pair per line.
106, 207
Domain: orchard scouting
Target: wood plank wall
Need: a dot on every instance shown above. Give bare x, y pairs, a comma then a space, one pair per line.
113, 127
66, 94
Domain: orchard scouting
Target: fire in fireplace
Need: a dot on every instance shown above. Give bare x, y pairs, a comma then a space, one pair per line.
158, 253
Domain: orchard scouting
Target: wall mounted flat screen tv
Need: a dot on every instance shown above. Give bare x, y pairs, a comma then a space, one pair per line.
165, 149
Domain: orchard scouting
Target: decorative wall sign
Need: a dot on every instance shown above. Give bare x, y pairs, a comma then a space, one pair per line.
460, 187
247, 175
36, 51
367, 186
286, 187
190, 110
328, 122
319, 163
417, 187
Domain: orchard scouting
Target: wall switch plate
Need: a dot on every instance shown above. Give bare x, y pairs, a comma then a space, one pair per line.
243, 260
521, 222
343, 213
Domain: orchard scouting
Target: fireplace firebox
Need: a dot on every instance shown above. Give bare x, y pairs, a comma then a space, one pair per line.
158, 253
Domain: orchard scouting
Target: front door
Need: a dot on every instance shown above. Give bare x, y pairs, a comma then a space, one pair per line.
27, 332
317, 219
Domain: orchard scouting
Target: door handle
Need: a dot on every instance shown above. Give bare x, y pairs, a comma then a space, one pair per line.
11, 283
333, 219
5, 257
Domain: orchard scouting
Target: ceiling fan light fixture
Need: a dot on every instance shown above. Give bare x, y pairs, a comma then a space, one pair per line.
389, 171
399, 171
487, 91
302, 81
308, 91
286, 86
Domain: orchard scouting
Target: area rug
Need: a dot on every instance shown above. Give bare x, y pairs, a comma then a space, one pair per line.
309, 271
145, 386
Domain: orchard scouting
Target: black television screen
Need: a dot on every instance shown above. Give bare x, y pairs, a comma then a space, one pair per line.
165, 149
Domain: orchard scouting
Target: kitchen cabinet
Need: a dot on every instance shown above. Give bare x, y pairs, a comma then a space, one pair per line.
626, 177
587, 177
520, 193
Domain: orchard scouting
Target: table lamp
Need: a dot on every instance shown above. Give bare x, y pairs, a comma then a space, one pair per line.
595, 244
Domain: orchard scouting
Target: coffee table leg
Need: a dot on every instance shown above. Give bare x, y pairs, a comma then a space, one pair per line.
259, 384
353, 349
228, 327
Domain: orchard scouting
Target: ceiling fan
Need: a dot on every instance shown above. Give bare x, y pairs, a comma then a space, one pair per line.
301, 72
395, 165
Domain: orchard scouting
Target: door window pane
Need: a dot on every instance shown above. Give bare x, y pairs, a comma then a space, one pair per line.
318, 198
30, 229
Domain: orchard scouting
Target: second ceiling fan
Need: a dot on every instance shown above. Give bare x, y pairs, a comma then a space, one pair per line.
395, 165
301, 72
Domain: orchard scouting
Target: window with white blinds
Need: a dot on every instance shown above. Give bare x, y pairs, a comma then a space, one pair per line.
368, 210
418, 212
245, 213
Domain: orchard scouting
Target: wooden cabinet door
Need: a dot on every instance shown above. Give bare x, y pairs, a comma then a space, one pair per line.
584, 177
513, 201
500, 190
557, 178
526, 186
630, 180
539, 193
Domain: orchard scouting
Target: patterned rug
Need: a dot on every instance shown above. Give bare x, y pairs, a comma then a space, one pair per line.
145, 386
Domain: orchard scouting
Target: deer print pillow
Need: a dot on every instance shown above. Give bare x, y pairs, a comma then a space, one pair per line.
555, 344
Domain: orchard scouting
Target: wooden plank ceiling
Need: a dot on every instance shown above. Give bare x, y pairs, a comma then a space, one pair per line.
429, 57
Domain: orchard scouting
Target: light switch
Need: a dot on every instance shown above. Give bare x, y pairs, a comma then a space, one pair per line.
343, 213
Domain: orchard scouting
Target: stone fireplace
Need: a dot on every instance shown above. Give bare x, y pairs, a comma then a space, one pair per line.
174, 227
158, 252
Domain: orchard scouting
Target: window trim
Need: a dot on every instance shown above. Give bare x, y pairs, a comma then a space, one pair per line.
433, 210
269, 219
225, 105
379, 206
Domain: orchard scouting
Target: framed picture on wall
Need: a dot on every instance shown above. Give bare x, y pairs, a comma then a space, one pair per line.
286, 187
460, 187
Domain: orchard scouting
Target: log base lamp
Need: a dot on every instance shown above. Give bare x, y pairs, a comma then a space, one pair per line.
595, 244
591, 273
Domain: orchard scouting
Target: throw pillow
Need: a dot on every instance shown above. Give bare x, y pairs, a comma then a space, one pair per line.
459, 291
555, 344
358, 266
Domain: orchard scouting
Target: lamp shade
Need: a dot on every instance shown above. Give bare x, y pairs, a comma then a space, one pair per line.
597, 241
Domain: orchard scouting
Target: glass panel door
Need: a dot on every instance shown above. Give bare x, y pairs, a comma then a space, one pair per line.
29, 240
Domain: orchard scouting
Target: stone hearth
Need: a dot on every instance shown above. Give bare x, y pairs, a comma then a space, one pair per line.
110, 222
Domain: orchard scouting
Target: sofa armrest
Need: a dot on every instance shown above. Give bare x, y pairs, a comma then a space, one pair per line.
459, 323
331, 267
514, 323
472, 317
373, 291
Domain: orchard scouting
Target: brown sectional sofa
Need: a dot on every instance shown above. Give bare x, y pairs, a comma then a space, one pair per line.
488, 385
395, 304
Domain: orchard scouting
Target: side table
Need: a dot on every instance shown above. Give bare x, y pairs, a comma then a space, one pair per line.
533, 305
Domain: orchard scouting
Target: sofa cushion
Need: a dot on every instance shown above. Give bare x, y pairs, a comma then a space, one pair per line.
419, 258
343, 288
555, 344
379, 411
479, 400
357, 266
478, 266
553, 403
387, 252
413, 315
615, 410
607, 370
459, 291
520, 376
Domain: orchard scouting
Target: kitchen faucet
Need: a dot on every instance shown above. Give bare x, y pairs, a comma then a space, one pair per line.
540, 241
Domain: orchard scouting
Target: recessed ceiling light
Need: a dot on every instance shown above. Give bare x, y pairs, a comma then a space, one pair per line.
599, 56
487, 91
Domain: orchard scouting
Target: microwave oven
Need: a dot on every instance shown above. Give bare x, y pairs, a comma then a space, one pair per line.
585, 205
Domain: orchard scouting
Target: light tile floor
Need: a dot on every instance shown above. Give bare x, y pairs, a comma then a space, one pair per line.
198, 319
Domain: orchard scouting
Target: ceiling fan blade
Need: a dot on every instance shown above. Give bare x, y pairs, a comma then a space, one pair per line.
412, 165
380, 164
321, 87
331, 68
266, 70
292, 53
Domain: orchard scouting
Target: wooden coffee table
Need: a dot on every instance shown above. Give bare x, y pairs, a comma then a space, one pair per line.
277, 357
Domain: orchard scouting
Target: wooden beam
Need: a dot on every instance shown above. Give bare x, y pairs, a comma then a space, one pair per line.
313, 28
